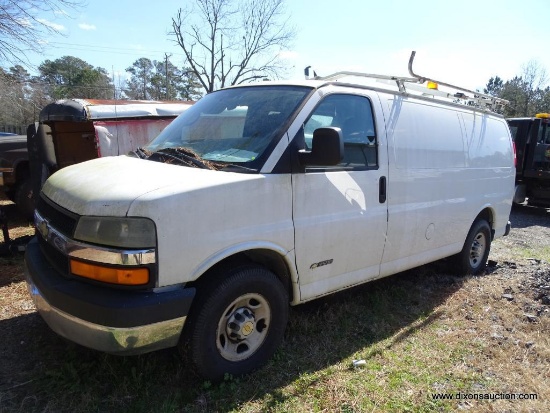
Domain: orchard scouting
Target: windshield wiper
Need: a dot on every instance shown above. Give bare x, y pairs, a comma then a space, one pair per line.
187, 156
141, 153
228, 167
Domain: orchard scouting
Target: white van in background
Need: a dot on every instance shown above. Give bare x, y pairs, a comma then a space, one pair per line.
266, 195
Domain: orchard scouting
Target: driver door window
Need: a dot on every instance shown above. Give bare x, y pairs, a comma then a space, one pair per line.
353, 115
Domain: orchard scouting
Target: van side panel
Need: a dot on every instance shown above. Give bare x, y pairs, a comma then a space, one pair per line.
445, 166
487, 140
490, 165
427, 137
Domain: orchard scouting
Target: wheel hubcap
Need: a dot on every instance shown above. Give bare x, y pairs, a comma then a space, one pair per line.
243, 327
477, 251
241, 324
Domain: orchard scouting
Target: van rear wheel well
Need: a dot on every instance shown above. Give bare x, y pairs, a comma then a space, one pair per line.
487, 215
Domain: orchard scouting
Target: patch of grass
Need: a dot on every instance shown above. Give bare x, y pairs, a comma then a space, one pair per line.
533, 252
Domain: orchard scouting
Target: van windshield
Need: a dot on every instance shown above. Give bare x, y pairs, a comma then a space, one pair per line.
238, 126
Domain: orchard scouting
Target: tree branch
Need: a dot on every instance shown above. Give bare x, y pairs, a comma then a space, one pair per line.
234, 42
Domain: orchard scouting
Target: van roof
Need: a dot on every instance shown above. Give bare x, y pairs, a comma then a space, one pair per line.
396, 85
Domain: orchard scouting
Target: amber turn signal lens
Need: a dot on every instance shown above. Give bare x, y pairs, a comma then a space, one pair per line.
121, 276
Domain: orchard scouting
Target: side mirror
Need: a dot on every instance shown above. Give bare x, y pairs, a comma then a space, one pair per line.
327, 148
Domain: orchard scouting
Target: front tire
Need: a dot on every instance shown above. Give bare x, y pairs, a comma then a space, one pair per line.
473, 257
239, 324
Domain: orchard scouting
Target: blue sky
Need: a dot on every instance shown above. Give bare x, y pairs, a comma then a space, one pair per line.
461, 42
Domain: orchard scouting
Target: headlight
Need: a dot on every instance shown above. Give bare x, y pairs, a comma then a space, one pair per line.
117, 232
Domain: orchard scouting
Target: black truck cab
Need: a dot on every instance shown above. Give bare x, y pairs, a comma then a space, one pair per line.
532, 140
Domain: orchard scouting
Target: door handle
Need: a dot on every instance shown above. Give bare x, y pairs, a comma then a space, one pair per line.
382, 190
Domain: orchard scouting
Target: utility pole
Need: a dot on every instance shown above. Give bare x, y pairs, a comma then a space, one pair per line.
114, 84
166, 75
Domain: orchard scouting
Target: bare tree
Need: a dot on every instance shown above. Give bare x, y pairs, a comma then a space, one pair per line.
23, 24
535, 78
22, 98
228, 42
527, 93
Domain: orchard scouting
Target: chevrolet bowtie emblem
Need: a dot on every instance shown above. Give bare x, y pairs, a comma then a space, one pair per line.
43, 228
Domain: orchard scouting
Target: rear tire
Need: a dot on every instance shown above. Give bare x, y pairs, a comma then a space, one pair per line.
473, 257
239, 323
24, 199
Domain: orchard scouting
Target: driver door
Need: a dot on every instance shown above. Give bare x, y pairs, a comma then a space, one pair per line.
340, 212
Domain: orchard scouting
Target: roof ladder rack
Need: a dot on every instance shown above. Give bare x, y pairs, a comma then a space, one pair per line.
478, 99
471, 97
399, 80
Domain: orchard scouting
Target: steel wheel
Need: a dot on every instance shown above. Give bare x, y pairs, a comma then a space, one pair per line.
243, 327
477, 250
473, 257
237, 322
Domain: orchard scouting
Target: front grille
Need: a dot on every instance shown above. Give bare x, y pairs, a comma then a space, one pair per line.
61, 219
56, 258
64, 222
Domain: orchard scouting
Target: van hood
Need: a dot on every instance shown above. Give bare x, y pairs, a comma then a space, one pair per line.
108, 186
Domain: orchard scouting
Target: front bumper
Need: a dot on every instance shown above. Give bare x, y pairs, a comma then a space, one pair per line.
110, 320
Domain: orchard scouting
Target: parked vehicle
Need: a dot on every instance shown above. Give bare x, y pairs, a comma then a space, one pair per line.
75, 130
265, 195
531, 137
14, 168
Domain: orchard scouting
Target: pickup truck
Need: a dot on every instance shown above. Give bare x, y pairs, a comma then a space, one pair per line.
14, 171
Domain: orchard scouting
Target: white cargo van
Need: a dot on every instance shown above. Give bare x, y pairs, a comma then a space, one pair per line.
263, 196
